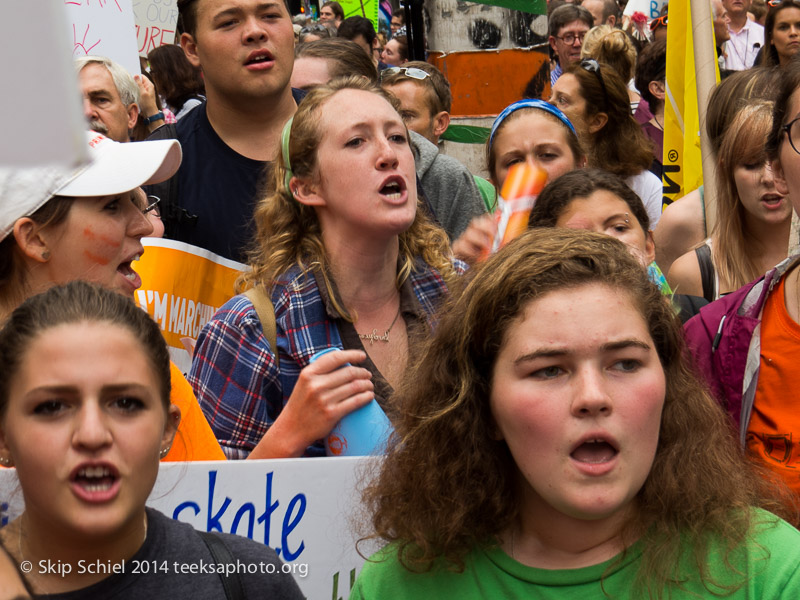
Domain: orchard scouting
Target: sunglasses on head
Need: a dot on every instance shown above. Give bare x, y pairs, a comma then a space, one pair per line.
412, 72
591, 65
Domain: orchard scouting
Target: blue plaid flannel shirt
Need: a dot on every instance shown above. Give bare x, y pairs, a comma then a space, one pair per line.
240, 387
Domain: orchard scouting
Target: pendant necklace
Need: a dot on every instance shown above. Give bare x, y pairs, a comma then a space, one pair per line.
374, 336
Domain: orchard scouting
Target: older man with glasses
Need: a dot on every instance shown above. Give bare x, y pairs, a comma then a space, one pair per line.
568, 26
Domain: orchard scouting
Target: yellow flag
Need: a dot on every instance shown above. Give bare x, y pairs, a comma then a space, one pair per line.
683, 167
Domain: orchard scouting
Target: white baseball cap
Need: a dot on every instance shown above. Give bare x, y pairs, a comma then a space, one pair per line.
113, 168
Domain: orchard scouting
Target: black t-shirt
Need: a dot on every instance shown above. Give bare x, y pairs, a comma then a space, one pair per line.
172, 551
211, 199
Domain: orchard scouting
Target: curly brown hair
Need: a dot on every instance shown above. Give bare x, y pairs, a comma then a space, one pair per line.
288, 233
447, 484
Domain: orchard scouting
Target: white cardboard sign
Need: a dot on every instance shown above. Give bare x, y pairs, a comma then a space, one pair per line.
651, 8
103, 28
304, 508
156, 23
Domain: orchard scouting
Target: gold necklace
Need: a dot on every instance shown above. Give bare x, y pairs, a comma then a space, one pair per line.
372, 337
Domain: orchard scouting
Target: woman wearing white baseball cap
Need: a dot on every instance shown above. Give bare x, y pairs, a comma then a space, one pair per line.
59, 224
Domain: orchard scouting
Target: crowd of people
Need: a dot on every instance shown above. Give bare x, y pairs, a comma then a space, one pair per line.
574, 416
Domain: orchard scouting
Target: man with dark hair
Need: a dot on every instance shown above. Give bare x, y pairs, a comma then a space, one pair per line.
568, 26
361, 31
331, 13
246, 51
398, 20
605, 12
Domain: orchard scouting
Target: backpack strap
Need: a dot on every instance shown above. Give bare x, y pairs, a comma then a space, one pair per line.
232, 584
266, 314
706, 271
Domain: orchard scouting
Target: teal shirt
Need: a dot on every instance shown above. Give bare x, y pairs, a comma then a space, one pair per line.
770, 563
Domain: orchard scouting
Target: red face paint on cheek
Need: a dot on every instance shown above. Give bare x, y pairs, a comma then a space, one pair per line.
109, 242
100, 260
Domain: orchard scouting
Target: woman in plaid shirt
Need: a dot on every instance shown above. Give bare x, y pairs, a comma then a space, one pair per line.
348, 262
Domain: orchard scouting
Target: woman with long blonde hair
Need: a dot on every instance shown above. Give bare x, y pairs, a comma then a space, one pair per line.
751, 234
348, 262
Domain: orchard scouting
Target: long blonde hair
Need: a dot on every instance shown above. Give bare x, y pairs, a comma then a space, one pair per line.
733, 251
288, 233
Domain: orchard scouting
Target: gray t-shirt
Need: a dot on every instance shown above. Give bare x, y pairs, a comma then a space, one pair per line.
172, 551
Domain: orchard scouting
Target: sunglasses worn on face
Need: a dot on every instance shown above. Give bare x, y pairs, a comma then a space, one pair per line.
656, 23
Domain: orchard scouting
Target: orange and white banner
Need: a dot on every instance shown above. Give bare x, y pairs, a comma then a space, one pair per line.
182, 287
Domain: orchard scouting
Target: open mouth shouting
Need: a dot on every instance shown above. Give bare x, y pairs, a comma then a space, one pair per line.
394, 189
595, 454
132, 278
95, 482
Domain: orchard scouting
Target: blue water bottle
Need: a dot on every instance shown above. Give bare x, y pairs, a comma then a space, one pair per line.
363, 432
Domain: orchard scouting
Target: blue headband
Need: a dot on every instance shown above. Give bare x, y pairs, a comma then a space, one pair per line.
529, 103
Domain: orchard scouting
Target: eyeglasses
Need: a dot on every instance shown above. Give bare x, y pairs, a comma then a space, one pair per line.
412, 72
152, 205
591, 65
570, 38
656, 23
792, 130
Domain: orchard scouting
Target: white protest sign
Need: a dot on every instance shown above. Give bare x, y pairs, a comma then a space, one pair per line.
303, 508
650, 8
156, 22
104, 28
41, 105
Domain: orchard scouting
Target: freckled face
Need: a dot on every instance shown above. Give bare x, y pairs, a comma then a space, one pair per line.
577, 394
377, 196
97, 242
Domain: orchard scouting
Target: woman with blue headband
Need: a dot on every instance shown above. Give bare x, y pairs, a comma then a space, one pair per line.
348, 262
531, 131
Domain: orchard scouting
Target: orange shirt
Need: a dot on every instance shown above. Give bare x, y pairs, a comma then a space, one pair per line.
195, 440
774, 429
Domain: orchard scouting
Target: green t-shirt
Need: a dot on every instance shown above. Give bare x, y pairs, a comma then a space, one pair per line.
770, 562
